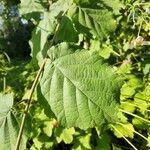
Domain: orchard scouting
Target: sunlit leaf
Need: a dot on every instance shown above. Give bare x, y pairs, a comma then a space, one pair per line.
82, 142
142, 99
64, 134
126, 130
80, 88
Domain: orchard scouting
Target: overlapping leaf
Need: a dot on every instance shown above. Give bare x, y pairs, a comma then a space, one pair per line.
81, 90
9, 124
40, 35
66, 32
111, 5
126, 130
30, 6
95, 17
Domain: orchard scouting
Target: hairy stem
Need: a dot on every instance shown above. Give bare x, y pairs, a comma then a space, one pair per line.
28, 104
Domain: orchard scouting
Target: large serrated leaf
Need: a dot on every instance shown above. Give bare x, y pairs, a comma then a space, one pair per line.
94, 21
81, 90
111, 5
95, 17
9, 124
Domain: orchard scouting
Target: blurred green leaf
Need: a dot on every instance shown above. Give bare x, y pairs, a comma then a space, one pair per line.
64, 134
126, 130
9, 124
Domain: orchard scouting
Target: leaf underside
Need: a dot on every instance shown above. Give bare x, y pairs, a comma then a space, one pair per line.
80, 88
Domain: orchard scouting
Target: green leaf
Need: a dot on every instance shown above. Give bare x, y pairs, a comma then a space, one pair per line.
48, 128
104, 142
125, 130
46, 27
146, 69
80, 88
140, 124
64, 134
128, 106
9, 124
93, 22
60, 6
129, 88
106, 51
142, 99
31, 6
66, 32
111, 5
95, 17
122, 117
125, 68
82, 142
40, 35
127, 91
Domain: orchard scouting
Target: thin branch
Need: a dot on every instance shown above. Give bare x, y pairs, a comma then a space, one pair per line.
32, 91
28, 104
125, 138
135, 116
135, 132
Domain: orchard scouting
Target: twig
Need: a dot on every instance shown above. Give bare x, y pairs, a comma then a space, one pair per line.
28, 104
32, 90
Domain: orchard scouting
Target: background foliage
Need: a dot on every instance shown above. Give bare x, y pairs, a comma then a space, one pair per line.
117, 31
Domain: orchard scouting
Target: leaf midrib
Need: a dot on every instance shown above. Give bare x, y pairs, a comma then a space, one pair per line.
80, 90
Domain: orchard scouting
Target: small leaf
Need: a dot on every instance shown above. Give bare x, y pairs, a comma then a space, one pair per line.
129, 106
64, 134
125, 130
106, 51
48, 128
125, 68
129, 88
127, 91
140, 124
82, 142
122, 117
142, 99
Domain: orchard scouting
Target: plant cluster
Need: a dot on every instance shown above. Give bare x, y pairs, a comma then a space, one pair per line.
90, 70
